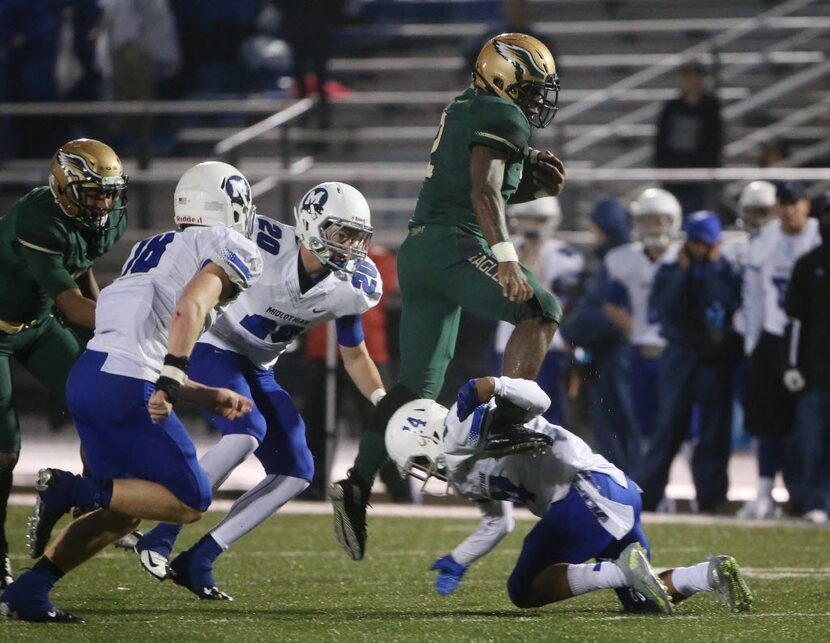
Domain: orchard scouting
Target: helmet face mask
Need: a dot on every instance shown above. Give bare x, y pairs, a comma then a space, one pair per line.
334, 224
88, 183
521, 69
415, 442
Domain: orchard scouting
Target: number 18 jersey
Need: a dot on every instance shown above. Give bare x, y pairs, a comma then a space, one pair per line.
133, 313
265, 319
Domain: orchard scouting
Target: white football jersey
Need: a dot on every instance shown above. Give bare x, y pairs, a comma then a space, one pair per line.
630, 266
770, 260
266, 318
530, 481
133, 313
558, 261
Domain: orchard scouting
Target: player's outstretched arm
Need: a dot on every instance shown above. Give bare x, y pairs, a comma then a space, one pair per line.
363, 372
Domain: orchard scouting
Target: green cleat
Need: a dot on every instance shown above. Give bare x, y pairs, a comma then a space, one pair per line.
633, 562
725, 576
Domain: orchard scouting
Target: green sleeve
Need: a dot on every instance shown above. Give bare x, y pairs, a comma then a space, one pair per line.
499, 124
48, 270
37, 228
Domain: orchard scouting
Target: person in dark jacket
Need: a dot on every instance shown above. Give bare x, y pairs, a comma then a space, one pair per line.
616, 434
695, 298
808, 375
690, 134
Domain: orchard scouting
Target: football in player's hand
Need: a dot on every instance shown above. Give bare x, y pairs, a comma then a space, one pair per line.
548, 173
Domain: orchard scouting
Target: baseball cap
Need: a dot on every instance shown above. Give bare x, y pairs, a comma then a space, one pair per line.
703, 226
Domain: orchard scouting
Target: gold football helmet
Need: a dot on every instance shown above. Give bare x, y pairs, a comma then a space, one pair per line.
88, 183
521, 69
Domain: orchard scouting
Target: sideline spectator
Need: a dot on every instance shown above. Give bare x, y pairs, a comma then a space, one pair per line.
690, 134
604, 347
808, 375
769, 406
694, 298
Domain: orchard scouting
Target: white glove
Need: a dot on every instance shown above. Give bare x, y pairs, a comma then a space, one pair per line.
794, 380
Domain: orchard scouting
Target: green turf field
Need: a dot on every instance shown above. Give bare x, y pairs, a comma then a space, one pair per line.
292, 583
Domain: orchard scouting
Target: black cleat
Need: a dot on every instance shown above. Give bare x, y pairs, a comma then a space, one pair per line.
51, 505
54, 615
6, 577
349, 506
516, 439
179, 573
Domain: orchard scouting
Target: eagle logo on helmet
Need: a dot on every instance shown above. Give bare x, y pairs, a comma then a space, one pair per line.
525, 60
75, 166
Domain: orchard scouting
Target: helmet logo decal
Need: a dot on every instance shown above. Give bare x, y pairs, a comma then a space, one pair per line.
315, 200
238, 190
525, 62
74, 166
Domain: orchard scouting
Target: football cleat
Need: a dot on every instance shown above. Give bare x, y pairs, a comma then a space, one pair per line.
6, 577
153, 563
128, 542
514, 440
726, 577
51, 505
633, 562
53, 615
349, 517
180, 574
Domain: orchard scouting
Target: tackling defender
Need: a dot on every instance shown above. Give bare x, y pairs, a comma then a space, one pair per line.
458, 254
313, 273
587, 507
122, 389
48, 242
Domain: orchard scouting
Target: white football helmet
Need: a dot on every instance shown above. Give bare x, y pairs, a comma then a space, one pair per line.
214, 194
657, 217
756, 204
415, 439
334, 223
539, 216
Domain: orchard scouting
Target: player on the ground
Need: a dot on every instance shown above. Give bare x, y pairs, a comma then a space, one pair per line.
458, 253
656, 216
587, 507
48, 242
313, 273
122, 389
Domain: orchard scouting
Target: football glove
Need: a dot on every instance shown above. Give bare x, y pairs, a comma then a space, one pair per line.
794, 380
450, 574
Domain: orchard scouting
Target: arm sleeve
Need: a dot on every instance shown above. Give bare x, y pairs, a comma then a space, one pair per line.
349, 330
617, 295
237, 256
525, 394
500, 125
497, 521
48, 270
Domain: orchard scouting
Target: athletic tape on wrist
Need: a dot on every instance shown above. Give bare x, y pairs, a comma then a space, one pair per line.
504, 251
377, 395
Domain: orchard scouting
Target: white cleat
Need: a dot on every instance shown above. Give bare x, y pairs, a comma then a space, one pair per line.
633, 562
817, 517
154, 564
129, 541
726, 577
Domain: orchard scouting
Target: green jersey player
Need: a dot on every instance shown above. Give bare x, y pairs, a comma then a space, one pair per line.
48, 241
458, 255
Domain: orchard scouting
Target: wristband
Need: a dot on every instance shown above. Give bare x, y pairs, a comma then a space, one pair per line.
377, 395
504, 251
170, 387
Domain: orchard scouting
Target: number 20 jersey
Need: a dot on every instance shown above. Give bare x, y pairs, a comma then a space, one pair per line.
265, 319
133, 313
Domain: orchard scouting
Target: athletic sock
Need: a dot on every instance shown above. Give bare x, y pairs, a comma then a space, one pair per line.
371, 454
48, 570
89, 493
256, 506
226, 455
160, 539
691, 580
207, 549
765, 487
589, 577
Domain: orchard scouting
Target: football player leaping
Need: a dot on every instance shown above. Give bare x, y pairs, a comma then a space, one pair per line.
587, 507
458, 254
122, 388
313, 273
